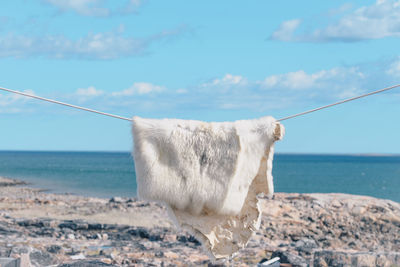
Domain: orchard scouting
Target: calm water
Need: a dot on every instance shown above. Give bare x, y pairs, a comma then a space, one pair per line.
112, 174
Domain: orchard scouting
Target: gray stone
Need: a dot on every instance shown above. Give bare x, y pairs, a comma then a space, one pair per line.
116, 200
306, 245
95, 226
53, 249
74, 225
41, 258
85, 263
286, 257
9, 262
339, 258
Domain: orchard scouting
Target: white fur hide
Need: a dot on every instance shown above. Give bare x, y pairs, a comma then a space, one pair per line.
207, 174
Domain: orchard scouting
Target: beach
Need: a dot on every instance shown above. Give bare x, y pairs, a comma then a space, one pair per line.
302, 229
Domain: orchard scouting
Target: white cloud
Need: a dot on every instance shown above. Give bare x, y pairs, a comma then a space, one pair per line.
181, 91
292, 88
229, 79
140, 88
91, 91
227, 83
292, 80
100, 46
394, 69
301, 80
236, 92
379, 20
286, 30
97, 8
131, 6
13, 103
295, 89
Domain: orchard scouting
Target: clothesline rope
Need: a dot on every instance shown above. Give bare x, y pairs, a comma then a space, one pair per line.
128, 119
65, 104
340, 102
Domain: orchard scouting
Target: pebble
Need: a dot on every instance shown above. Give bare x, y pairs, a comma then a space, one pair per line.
79, 256
71, 236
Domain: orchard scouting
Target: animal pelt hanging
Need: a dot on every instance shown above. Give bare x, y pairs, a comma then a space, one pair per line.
208, 175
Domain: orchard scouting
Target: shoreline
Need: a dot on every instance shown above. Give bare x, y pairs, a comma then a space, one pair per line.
21, 183
301, 229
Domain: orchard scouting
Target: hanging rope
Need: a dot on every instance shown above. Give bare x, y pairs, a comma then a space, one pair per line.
65, 104
128, 119
340, 102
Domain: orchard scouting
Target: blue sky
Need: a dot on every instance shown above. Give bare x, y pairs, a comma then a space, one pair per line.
205, 60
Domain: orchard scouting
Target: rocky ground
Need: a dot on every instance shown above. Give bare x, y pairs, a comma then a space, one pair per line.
302, 229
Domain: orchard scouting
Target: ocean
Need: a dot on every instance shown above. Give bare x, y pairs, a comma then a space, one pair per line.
107, 174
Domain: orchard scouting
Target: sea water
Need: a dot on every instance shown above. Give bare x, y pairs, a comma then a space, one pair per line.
107, 174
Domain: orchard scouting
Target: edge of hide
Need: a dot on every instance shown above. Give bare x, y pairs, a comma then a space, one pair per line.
205, 243
279, 131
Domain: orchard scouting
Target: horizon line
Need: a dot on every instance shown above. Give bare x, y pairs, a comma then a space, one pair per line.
371, 154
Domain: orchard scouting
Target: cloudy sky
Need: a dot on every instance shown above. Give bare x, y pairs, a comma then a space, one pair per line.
205, 60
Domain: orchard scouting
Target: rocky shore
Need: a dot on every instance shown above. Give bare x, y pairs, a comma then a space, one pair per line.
301, 229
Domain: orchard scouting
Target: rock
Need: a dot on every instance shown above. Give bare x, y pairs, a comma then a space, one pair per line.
320, 262
95, 226
41, 258
198, 258
53, 249
170, 238
4, 230
45, 231
10, 182
336, 204
31, 222
340, 258
358, 210
159, 254
85, 263
79, 256
171, 255
71, 236
139, 232
9, 262
109, 226
74, 225
19, 249
106, 260
306, 245
93, 251
108, 252
286, 257
116, 200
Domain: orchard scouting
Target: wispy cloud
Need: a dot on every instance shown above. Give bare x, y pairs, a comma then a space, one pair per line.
286, 30
13, 103
282, 90
139, 88
394, 69
97, 8
379, 20
91, 91
236, 92
85, 94
94, 46
296, 88
227, 80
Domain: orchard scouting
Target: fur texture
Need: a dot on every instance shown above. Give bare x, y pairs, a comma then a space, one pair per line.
208, 175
